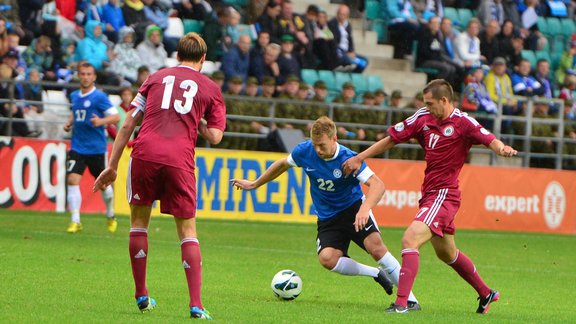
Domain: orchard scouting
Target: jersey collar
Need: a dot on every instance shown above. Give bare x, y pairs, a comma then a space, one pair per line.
335, 153
188, 67
82, 95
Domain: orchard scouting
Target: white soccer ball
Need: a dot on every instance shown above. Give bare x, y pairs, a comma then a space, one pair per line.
286, 285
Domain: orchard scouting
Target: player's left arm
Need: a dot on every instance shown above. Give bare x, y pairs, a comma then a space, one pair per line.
498, 147
211, 134
375, 192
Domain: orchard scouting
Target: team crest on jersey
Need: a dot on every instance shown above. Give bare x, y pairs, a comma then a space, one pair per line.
484, 131
337, 173
399, 127
448, 131
87, 103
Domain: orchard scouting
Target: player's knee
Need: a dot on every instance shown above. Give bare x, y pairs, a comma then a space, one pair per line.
444, 255
328, 260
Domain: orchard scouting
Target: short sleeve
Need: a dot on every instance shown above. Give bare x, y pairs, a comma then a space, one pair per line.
296, 156
215, 115
406, 129
476, 133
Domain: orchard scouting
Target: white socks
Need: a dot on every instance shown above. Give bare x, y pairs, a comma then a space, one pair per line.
349, 267
392, 268
74, 202
108, 197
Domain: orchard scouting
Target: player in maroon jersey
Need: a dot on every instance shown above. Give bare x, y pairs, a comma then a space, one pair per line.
174, 105
446, 135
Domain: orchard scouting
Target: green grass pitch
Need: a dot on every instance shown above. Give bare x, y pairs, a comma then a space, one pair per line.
49, 276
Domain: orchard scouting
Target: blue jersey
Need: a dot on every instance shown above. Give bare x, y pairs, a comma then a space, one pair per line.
331, 191
87, 139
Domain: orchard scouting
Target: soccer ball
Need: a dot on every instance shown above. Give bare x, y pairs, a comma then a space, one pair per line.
286, 285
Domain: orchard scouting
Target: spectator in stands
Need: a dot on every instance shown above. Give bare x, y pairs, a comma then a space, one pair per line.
232, 32
426, 9
213, 33
308, 59
268, 87
368, 99
13, 43
431, 54
157, 12
540, 129
193, 9
467, 46
287, 61
542, 75
267, 65
112, 20
290, 88
403, 25
324, 45
379, 97
7, 109
523, 83
346, 96
234, 85
448, 38
269, 21
345, 114
236, 61
489, 41
475, 97
126, 61
534, 39
151, 50
417, 102
218, 78
297, 26
91, 48
251, 89
490, 10
567, 94
3, 36
303, 91
567, 62
93, 11
38, 55
33, 92
133, 12
320, 91
342, 30
499, 86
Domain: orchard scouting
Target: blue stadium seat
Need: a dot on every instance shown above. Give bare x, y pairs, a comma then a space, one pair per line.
452, 13
543, 55
328, 77
374, 83
530, 56
464, 15
372, 9
191, 25
309, 76
568, 28
542, 25
554, 26
341, 78
381, 28
360, 82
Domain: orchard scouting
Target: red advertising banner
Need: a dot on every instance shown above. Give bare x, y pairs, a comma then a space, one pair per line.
493, 198
33, 176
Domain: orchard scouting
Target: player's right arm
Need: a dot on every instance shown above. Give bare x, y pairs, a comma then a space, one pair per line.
353, 164
212, 135
108, 176
273, 172
69, 123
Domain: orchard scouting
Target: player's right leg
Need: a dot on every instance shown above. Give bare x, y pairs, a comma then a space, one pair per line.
138, 248
415, 235
75, 169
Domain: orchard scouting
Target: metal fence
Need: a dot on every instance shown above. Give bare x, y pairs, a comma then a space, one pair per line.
542, 142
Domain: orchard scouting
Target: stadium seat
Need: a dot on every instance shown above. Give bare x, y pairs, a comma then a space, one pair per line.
380, 27
558, 44
360, 82
530, 56
375, 83
328, 77
554, 26
249, 30
542, 25
309, 76
543, 55
191, 25
452, 13
464, 15
56, 101
430, 72
372, 9
341, 78
175, 27
568, 28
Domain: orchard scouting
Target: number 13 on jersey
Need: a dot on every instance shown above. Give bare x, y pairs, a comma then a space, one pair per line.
191, 88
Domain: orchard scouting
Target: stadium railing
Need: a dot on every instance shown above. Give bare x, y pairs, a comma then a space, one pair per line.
523, 137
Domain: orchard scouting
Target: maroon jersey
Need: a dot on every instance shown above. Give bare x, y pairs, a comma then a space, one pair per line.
173, 101
446, 143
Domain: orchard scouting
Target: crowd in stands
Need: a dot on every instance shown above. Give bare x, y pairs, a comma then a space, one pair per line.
483, 57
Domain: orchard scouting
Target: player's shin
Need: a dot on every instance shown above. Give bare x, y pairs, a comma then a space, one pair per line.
192, 264
467, 270
392, 267
349, 267
138, 248
108, 197
74, 202
408, 272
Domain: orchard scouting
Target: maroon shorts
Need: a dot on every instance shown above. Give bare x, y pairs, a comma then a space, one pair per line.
438, 209
174, 187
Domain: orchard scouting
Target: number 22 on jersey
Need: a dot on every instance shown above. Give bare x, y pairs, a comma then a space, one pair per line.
191, 88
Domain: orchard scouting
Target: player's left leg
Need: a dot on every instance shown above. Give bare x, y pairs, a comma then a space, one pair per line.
96, 164
74, 199
375, 246
138, 249
192, 264
447, 251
